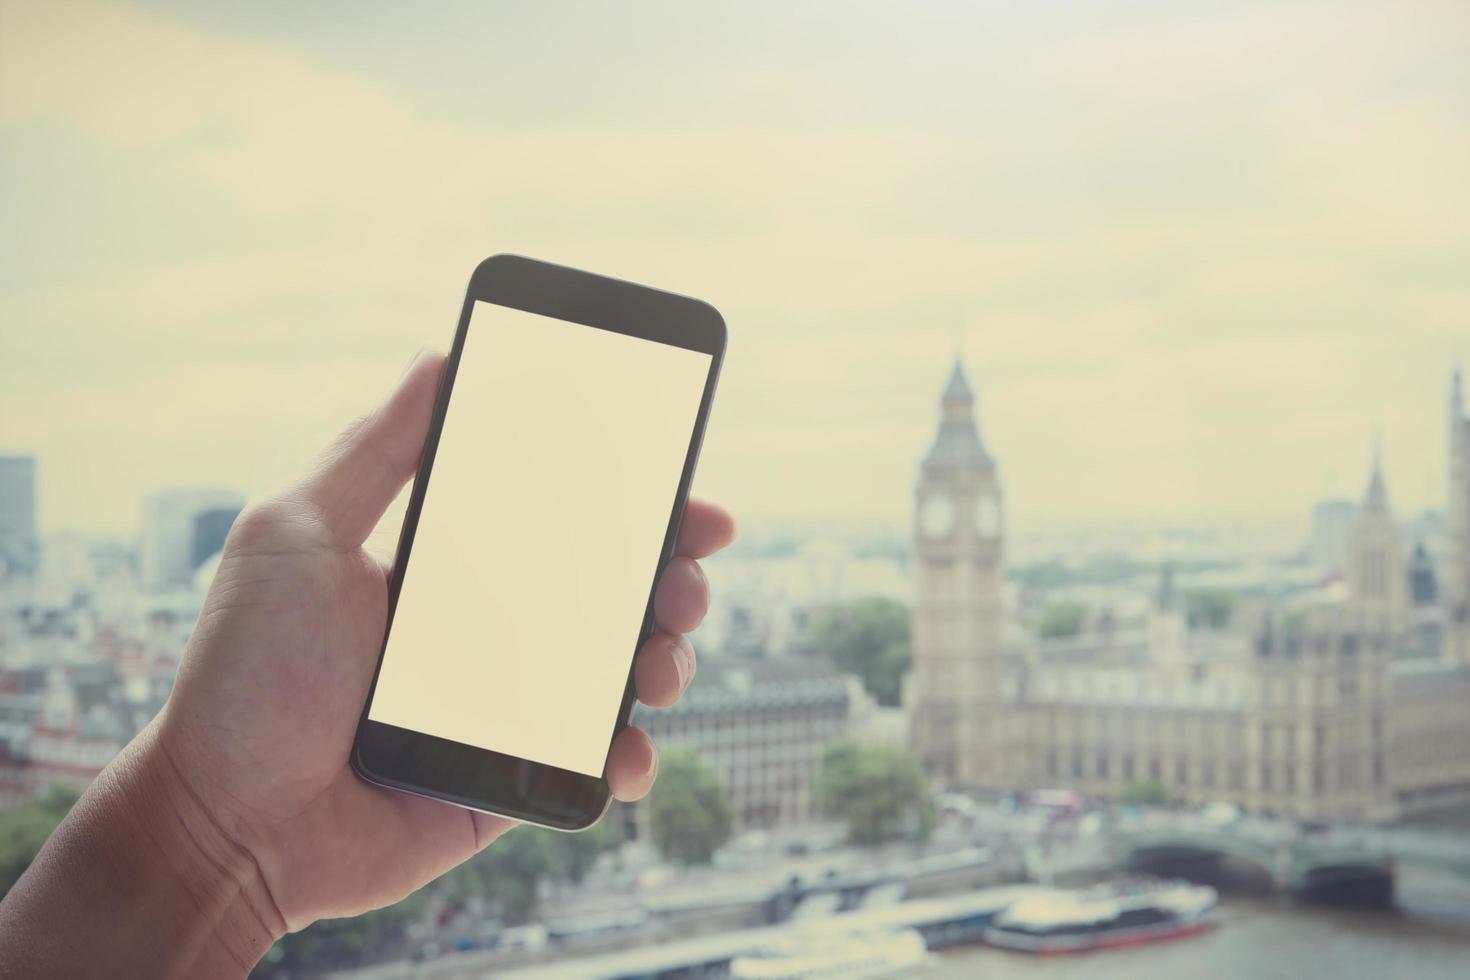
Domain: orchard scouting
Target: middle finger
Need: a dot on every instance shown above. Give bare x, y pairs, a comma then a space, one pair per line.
682, 598
663, 670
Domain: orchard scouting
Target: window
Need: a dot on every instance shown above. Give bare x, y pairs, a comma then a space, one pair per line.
1141, 917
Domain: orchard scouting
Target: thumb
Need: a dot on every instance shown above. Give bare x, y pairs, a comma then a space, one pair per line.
363, 470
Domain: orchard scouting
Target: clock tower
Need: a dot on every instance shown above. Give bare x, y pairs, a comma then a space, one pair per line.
955, 686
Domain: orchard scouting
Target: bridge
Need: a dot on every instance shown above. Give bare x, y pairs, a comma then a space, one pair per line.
1294, 858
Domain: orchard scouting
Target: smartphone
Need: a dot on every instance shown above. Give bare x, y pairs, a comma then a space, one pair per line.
547, 502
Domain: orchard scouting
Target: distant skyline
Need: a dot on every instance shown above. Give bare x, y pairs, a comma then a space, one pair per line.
1197, 256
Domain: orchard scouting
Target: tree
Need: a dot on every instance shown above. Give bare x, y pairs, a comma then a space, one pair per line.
24, 829
335, 943
869, 638
1062, 618
1149, 792
879, 790
575, 854
689, 812
1210, 608
511, 870
507, 875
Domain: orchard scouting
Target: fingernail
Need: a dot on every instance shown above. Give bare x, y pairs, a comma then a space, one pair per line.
681, 662
687, 668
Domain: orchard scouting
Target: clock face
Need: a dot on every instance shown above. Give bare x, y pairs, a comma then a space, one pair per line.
987, 516
936, 517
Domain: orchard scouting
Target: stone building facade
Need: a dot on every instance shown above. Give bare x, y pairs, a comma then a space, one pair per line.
959, 617
762, 725
1305, 711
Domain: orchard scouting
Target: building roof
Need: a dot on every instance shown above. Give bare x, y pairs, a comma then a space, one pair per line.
739, 685
958, 388
957, 444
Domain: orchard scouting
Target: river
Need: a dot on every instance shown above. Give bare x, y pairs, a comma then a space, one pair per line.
1269, 936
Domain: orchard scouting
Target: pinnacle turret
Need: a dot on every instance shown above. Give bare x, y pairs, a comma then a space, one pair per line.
957, 445
1377, 499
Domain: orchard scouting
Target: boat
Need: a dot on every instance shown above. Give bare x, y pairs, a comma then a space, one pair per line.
876, 953
1121, 913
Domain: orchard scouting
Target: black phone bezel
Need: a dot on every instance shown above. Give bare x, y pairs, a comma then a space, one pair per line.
478, 778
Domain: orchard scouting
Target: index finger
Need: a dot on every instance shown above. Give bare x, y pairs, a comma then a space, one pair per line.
706, 529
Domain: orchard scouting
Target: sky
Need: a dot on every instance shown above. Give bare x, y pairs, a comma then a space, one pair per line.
1197, 256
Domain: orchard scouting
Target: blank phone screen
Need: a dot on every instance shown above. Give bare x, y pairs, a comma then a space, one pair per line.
539, 537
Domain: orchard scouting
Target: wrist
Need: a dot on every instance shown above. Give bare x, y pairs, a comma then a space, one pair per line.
233, 917
141, 877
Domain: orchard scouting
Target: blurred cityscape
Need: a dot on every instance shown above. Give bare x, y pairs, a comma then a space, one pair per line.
902, 730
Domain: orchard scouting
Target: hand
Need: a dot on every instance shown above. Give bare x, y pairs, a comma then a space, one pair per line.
253, 744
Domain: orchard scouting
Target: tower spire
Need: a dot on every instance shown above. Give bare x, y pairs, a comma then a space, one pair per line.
1377, 499
958, 388
1166, 600
957, 445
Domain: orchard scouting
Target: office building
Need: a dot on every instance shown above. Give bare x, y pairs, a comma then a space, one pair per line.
181, 530
19, 544
762, 726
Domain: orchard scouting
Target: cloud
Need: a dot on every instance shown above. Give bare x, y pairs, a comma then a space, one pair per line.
1178, 240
